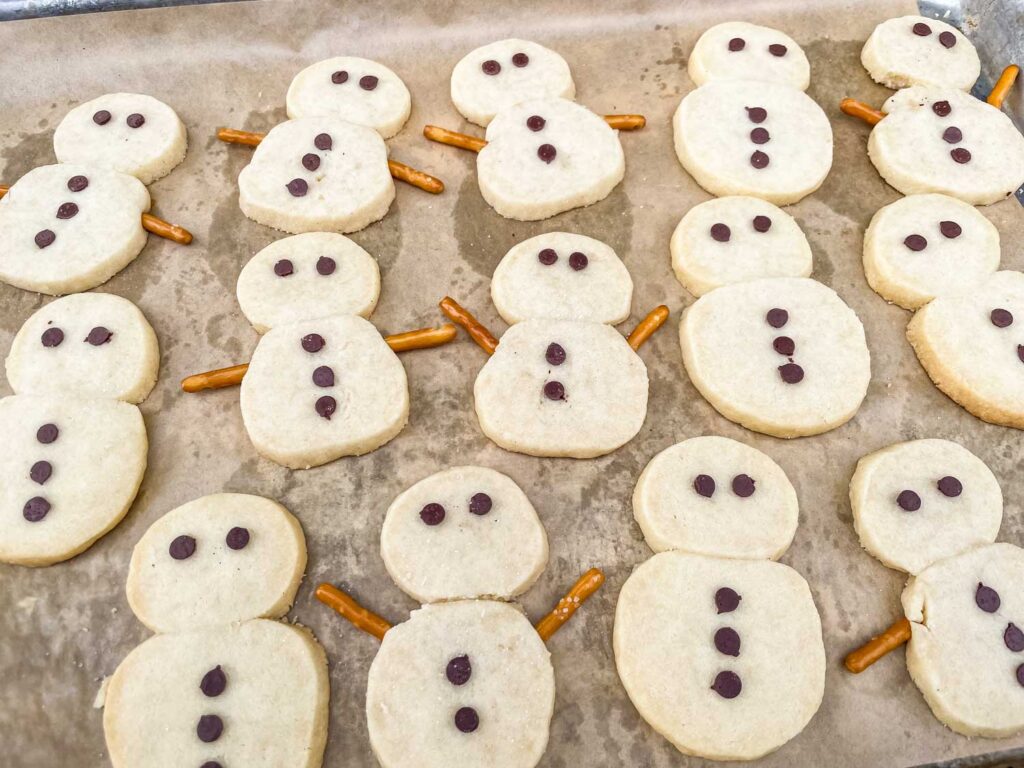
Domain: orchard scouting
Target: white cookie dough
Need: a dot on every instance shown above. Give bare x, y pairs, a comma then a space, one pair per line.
321, 389
592, 400
923, 246
715, 496
562, 276
85, 345
671, 620
68, 228
783, 356
69, 473
499, 75
972, 346
127, 132
747, 137
304, 277
272, 710
412, 706
466, 532
946, 141
317, 174
572, 160
735, 239
737, 50
915, 50
963, 654
218, 559
354, 89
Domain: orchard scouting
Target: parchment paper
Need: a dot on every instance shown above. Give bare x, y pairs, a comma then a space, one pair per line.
62, 629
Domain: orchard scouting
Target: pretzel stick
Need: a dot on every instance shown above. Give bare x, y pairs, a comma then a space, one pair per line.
587, 585
475, 144
646, 327
1003, 85
360, 617
457, 314
861, 110
626, 122
218, 379
877, 647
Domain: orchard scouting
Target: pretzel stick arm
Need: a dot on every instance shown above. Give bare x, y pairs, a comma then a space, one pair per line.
860, 110
218, 379
3, 190
457, 314
453, 138
587, 585
646, 328
360, 617
877, 647
1003, 85
626, 122
247, 138
418, 179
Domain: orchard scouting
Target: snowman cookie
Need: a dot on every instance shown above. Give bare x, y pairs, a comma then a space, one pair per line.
127, 132
734, 239
499, 75
317, 174
783, 356
736, 50
69, 228
353, 89
749, 137
307, 276
915, 50
546, 156
923, 246
562, 276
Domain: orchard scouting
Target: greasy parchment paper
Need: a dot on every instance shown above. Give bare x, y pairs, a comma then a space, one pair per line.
62, 629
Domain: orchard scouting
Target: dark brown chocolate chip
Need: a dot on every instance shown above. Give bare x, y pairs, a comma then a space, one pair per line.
520, 59
237, 538
743, 486
554, 390
78, 183
947, 38
987, 598
727, 600
325, 406
727, 685
480, 504
283, 268
214, 682
310, 161
704, 485
547, 257
960, 155
323, 376
952, 135
313, 342
760, 135
467, 720
1001, 318
554, 354
776, 317
368, 82
941, 108
67, 211
491, 67
211, 764
1014, 638
762, 223
297, 187
41, 472
1020, 352
950, 486
99, 336
101, 118
759, 159
546, 152
45, 237
458, 670
756, 114
908, 501
737, 44
210, 728
325, 265
1020, 674
182, 548
52, 337
922, 30
791, 373
950, 229
323, 142
432, 514
915, 242
536, 123
339, 77
35, 509
135, 120
720, 233
578, 261
47, 433
784, 345
777, 49
727, 641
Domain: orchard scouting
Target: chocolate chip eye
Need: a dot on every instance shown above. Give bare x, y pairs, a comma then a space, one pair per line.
908, 501
313, 342
554, 354
283, 268
776, 317
35, 509
987, 598
183, 547
459, 670
323, 142
727, 641
554, 390
1001, 318
950, 229
915, 242
237, 538
214, 682
720, 233
546, 152
777, 49
325, 406
325, 266
491, 67
135, 120
535, 123
432, 514
210, 728
578, 261
547, 257
950, 486
78, 183
727, 685
743, 486
480, 504
339, 77
520, 60
727, 600
99, 336
368, 82
47, 434
101, 118
52, 337
922, 30
467, 720
737, 44
704, 485
947, 38
44, 238
762, 224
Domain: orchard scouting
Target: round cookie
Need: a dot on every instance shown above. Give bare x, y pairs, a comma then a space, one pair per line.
946, 141
735, 239
966, 651
357, 90
562, 388
219, 559
562, 276
466, 532
719, 678
304, 277
915, 50
317, 174
127, 132
498, 75
783, 356
545, 156
85, 345
737, 50
715, 496
69, 474
923, 246
972, 347
321, 389
748, 137
419, 700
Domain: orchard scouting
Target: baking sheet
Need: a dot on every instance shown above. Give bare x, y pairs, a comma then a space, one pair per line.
62, 629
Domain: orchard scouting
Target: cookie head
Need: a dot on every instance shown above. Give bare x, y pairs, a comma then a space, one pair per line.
915, 50
736, 50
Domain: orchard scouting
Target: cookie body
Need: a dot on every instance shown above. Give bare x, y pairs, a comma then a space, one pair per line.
416, 700
735, 239
85, 345
304, 277
923, 246
526, 172
321, 389
68, 228
127, 132
708, 674
501, 74
591, 400
317, 174
562, 276
353, 89
965, 654
915, 50
782, 356
737, 50
715, 496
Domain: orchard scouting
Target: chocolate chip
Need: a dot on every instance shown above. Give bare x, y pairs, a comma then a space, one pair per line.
458, 670
182, 548
325, 265
941, 108
1001, 318
960, 155
35, 509
952, 135
339, 77
759, 159
762, 223
1020, 674
760, 135
908, 501
211, 764
950, 486
1020, 352
546, 152
743, 486
784, 345
210, 728
554, 354
727, 600
135, 120
40, 472
368, 82
777, 49
791, 373
727, 641
47, 433
313, 342
547, 257
297, 187
283, 268
101, 118
915, 242
52, 337
323, 142
727, 685
310, 161
950, 229
553, 390
99, 336
578, 261
922, 30
947, 38
1014, 637
520, 59
214, 682
987, 598
78, 183
67, 211
756, 114
491, 67
480, 504
737, 44
323, 376
467, 720
45, 237
432, 514
721, 233
776, 317
326, 406
237, 538
704, 485
535, 123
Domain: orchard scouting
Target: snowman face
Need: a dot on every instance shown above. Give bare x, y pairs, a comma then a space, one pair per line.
461, 683
317, 174
915, 50
736, 50
545, 156
68, 228
85, 345
562, 388
321, 389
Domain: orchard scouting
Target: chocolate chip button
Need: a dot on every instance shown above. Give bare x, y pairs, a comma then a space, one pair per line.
325, 266
210, 728
759, 159
777, 49
182, 548
554, 354
987, 598
520, 59
211, 764
1014, 637
536, 123
368, 82
52, 337
78, 183
458, 670
727, 600
743, 486
578, 261
326, 406
467, 720
1020, 674
922, 30
101, 118
237, 538
283, 268
727, 641
1001, 318
35, 509
720, 233
214, 682
908, 501
756, 114
547, 257
950, 486
1020, 352
45, 237
915, 242
339, 77
491, 67
760, 135
947, 38
784, 345
99, 336
791, 373
950, 229
40, 472
67, 211
737, 44
960, 155
323, 142
313, 342
776, 317
297, 187
727, 685
47, 433
952, 135
762, 223
546, 152
704, 485
135, 120
323, 376
554, 390
310, 161
480, 504
941, 108
432, 514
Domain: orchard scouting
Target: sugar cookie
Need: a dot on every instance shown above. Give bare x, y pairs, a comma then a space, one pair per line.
915, 50
736, 50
